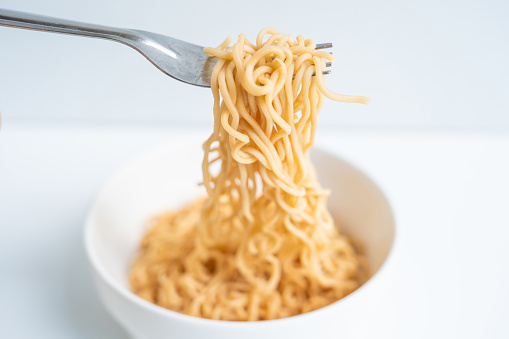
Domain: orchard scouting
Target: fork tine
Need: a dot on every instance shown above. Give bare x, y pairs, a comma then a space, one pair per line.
324, 73
324, 45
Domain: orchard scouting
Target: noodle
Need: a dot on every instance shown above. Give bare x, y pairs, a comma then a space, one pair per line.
262, 244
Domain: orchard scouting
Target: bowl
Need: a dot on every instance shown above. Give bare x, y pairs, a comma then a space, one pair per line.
168, 178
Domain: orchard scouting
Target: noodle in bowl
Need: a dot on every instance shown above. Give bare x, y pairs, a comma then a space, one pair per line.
166, 179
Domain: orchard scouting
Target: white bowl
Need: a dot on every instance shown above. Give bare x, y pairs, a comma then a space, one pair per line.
167, 178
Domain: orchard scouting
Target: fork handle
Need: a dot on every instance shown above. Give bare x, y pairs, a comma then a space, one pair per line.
43, 23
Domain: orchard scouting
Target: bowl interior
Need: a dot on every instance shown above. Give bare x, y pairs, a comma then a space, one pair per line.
358, 206
168, 178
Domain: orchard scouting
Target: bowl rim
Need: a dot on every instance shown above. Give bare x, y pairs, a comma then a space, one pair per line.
198, 321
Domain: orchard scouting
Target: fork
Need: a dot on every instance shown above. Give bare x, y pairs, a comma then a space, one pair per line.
178, 59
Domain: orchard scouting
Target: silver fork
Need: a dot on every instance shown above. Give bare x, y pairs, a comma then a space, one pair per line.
178, 59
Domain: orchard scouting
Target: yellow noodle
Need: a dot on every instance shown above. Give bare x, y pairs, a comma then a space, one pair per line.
262, 244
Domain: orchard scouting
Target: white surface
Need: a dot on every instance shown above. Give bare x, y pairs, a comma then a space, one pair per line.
428, 63
166, 178
450, 194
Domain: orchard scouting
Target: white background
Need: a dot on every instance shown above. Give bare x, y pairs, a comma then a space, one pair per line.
434, 63
435, 137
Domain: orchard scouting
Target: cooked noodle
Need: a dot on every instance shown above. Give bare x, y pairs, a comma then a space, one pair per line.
262, 244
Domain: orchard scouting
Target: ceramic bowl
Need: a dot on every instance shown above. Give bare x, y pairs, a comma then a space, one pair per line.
167, 178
